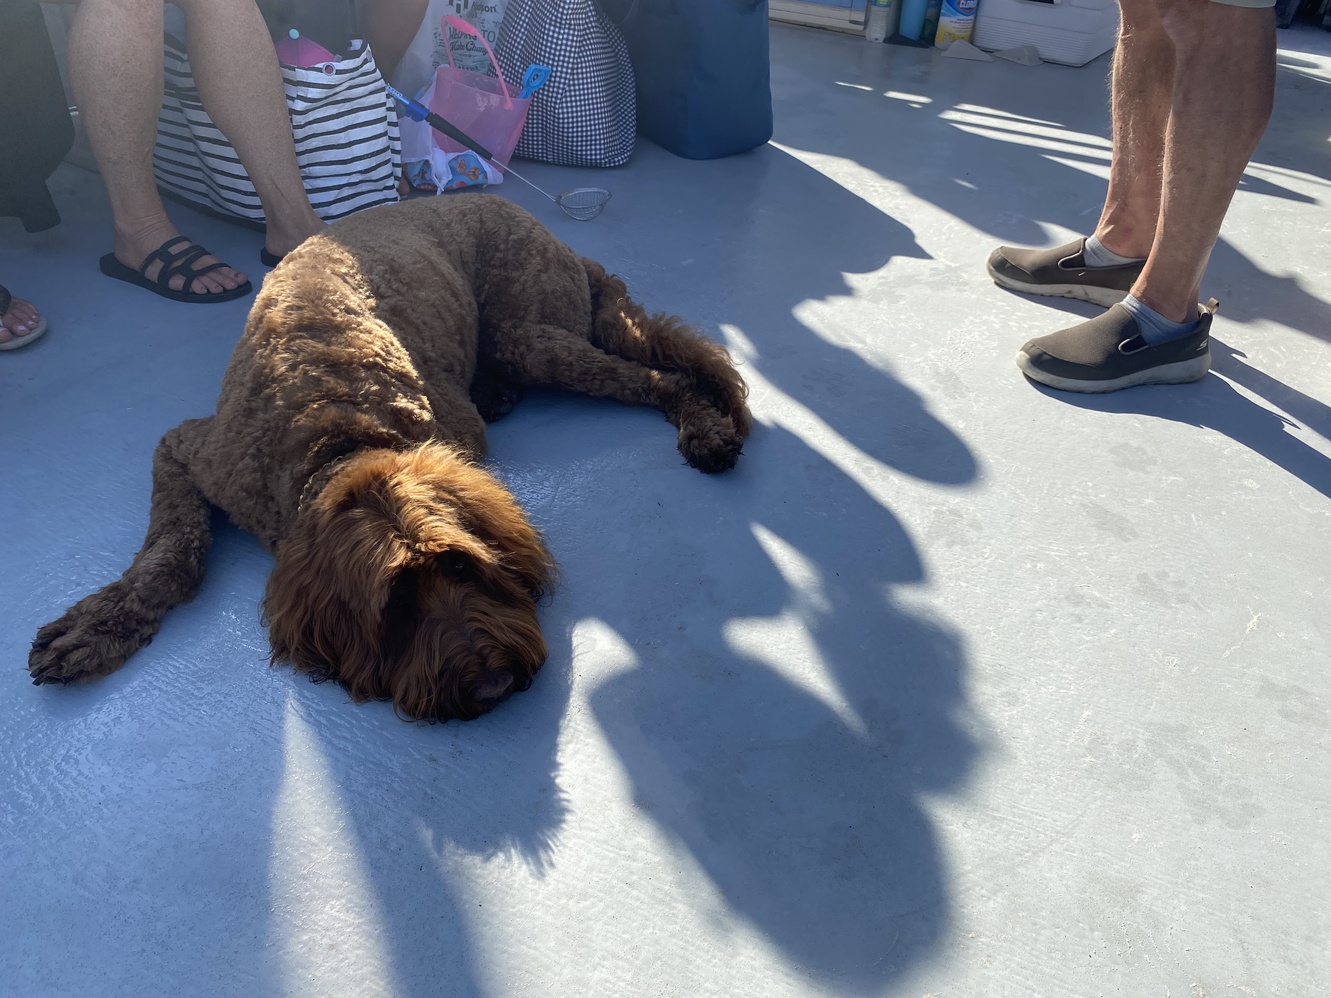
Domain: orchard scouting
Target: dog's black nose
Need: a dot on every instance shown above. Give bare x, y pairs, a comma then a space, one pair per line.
493, 688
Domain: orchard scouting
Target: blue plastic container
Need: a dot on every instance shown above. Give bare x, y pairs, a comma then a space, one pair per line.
912, 19
702, 71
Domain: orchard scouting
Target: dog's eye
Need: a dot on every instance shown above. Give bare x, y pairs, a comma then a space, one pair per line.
453, 563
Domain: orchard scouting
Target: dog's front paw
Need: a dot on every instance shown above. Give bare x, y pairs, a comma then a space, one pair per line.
92, 639
712, 444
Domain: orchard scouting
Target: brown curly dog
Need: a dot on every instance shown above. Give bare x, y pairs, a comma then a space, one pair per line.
346, 438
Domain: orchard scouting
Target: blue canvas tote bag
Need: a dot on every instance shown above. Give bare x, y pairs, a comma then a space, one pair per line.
703, 72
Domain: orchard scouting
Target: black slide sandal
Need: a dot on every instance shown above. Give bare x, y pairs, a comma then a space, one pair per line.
173, 264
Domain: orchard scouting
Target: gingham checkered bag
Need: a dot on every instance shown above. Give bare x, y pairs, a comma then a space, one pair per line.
586, 115
343, 124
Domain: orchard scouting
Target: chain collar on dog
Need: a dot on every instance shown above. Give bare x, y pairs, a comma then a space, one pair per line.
309, 492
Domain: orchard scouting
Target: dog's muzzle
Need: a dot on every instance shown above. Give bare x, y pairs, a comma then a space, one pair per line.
493, 688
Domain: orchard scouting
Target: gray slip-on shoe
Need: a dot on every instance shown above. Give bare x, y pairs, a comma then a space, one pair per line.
1061, 272
1107, 353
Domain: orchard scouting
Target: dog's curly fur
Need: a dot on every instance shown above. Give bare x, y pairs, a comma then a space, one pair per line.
347, 437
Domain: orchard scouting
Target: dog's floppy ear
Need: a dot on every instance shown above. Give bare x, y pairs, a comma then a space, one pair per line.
524, 555
499, 522
331, 582
483, 508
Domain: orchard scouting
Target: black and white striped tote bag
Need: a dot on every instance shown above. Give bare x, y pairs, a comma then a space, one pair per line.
586, 115
343, 123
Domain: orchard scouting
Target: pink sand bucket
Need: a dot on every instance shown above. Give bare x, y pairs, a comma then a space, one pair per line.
479, 105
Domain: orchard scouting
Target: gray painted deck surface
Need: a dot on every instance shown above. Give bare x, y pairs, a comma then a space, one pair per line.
954, 687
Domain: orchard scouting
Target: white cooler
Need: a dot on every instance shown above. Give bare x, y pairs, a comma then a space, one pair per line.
839, 15
1072, 32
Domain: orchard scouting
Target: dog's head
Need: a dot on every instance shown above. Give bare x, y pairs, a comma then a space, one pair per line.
412, 577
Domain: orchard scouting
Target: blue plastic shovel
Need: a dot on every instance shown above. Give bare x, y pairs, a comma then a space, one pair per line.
533, 80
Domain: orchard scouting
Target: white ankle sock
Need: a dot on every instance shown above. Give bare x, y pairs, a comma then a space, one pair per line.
1097, 256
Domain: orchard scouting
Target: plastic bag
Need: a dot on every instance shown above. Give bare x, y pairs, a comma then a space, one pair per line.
485, 107
430, 48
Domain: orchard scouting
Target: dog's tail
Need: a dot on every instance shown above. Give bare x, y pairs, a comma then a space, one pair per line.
622, 327
97, 634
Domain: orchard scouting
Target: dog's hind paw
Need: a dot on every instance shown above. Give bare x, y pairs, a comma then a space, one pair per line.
83, 645
712, 445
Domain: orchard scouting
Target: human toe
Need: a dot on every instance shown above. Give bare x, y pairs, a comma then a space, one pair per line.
19, 319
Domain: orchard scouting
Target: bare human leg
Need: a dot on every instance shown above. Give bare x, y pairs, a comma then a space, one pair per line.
115, 60
1223, 88
1140, 88
240, 83
389, 27
1220, 84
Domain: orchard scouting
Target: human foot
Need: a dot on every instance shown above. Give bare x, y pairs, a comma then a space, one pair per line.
1061, 272
284, 236
1108, 353
201, 275
20, 322
175, 266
